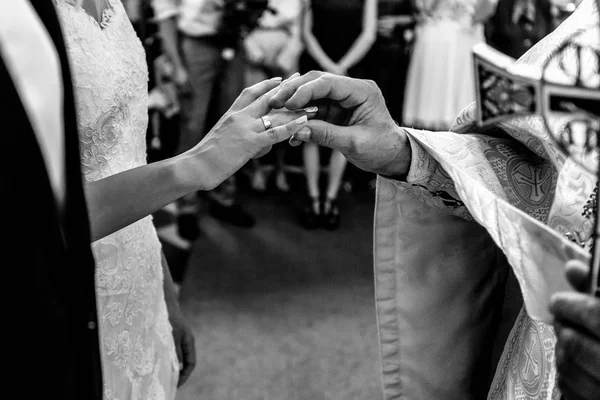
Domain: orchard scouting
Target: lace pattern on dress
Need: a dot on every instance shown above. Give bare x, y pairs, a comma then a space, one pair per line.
110, 81
461, 11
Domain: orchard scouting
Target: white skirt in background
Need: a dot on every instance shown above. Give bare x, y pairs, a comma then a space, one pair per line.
440, 79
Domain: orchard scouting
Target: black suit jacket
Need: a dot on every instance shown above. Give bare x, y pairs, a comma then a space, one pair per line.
50, 346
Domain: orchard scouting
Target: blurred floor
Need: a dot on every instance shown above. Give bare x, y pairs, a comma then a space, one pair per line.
283, 313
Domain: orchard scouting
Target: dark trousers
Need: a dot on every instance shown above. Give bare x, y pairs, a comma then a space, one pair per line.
215, 83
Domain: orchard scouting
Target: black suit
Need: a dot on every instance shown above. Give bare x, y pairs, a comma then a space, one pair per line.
50, 345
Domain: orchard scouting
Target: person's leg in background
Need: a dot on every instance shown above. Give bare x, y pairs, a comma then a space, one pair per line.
203, 61
281, 181
312, 168
253, 75
224, 200
331, 212
260, 172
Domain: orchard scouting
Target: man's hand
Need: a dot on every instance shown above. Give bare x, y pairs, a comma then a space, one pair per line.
181, 79
184, 343
352, 118
577, 326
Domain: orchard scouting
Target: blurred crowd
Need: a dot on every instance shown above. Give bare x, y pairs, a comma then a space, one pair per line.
203, 53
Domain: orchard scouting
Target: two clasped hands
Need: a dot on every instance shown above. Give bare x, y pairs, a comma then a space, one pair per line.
350, 115
335, 111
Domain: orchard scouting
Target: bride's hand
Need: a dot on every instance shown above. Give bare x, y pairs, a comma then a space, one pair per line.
241, 135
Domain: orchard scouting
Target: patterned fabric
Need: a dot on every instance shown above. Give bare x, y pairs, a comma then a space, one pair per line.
445, 34
516, 183
462, 11
110, 79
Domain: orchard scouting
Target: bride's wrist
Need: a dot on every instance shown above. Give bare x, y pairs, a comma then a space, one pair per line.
186, 171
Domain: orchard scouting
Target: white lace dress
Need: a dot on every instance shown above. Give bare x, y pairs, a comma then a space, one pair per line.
440, 77
110, 79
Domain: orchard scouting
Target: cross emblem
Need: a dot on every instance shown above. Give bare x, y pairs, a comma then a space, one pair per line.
532, 178
531, 369
571, 112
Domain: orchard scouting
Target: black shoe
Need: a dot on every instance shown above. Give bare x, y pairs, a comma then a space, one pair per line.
233, 215
187, 226
331, 215
310, 216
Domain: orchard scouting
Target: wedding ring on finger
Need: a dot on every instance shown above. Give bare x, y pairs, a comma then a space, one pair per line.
266, 122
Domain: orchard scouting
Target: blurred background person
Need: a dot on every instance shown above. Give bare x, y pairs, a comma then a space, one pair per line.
273, 49
337, 35
387, 62
519, 24
209, 80
387, 65
440, 77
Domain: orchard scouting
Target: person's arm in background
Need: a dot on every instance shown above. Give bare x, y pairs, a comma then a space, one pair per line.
365, 41
182, 334
166, 13
288, 58
313, 47
484, 9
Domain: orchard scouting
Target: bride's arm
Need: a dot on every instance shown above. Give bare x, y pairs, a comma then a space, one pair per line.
124, 198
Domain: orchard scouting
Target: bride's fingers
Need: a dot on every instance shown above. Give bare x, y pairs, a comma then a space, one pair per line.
281, 133
282, 117
263, 152
261, 105
250, 94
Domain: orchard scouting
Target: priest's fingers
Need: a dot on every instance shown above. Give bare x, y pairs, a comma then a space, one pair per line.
578, 275
300, 92
578, 310
326, 134
578, 363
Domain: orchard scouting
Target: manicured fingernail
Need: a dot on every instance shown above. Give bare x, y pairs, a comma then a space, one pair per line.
295, 142
277, 78
302, 134
302, 120
311, 110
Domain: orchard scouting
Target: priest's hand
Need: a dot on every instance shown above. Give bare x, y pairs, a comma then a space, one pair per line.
352, 118
577, 326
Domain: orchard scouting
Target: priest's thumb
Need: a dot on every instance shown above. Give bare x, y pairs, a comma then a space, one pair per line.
325, 134
578, 275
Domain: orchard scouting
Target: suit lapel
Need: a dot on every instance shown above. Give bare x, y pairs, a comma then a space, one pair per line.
75, 216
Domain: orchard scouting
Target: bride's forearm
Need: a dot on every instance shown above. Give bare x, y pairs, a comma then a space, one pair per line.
124, 198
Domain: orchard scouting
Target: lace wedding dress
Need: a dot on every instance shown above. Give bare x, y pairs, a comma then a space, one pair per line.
110, 79
440, 77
